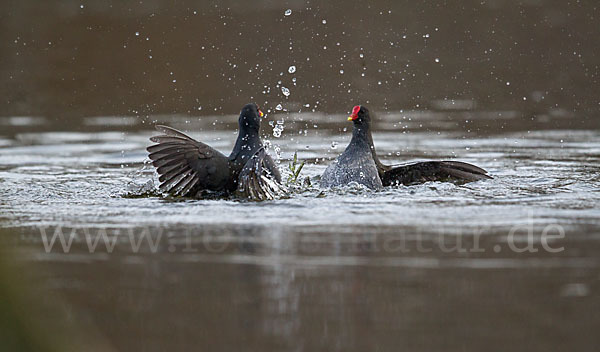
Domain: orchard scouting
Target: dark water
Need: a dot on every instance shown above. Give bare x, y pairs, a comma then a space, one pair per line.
427, 267
98, 58
511, 263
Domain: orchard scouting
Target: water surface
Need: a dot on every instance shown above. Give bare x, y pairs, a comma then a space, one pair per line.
426, 267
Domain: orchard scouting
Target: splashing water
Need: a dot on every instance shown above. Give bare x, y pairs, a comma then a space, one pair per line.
74, 178
278, 128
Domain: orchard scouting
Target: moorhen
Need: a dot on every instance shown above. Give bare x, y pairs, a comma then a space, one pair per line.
190, 168
359, 163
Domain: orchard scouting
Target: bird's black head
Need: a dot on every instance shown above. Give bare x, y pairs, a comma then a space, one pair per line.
360, 116
250, 117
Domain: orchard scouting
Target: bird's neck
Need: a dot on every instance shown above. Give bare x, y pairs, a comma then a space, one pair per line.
362, 138
248, 139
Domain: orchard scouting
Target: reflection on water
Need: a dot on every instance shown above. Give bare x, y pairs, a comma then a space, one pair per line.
428, 267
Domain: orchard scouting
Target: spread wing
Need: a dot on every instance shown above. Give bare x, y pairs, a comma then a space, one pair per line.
432, 171
185, 165
260, 179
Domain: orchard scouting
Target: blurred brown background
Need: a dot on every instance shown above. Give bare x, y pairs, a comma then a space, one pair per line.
64, 59
303, 273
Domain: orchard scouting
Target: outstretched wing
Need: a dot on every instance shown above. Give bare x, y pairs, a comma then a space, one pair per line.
259, 179
432, 171
185, 165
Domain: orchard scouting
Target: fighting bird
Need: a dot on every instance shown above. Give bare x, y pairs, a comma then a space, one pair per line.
359, 163
189, 168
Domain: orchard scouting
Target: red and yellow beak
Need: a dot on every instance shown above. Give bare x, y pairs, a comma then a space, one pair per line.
354, 114
260, 113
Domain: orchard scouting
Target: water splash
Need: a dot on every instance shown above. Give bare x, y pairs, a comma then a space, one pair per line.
278, 129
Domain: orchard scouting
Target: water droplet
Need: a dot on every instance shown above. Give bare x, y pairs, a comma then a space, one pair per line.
341, 72
285, 91
292, 69
508, 83
279, 107
137, 34
278, 129
437, 60
324, 21
288, 12
361, 55
277, 151
81, 6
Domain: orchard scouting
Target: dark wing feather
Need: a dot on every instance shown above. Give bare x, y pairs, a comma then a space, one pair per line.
185, 165
432, 171
260, 178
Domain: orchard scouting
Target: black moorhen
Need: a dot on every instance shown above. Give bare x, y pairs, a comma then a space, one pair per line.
189, 168
359, 163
